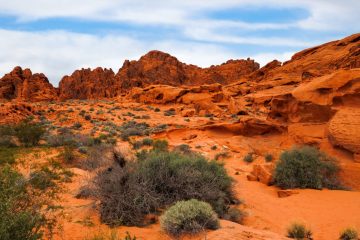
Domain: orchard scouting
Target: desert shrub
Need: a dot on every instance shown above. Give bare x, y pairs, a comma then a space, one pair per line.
68, 154
214, 147
132, 128
97, 156
268, 157
43, 179
160, 144
235, 215
29, 133
349, 234
157, 110
159, 128
111, 236
249, 158
183, 148
77, 125
83, 149
189, 216
87, 117
299, 232
169, 112
6, 133
7, 155
147, 141
158, 179
306, 167
137, 144
220, 155
68, 138
20, 218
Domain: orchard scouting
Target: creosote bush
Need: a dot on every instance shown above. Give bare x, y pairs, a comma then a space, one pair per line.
132, 128
299, 232
249, 158
158, 179
306, 167
28, 132
349, 234
20, 218
189, 216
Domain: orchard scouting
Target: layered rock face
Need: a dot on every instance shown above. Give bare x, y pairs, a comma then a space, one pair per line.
153, 68
89, 84
22, 85
161, 68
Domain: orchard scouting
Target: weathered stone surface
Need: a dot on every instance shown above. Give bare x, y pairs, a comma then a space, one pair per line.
22, 85
344, 129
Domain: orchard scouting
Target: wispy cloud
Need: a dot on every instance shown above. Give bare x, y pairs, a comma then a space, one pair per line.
184, 28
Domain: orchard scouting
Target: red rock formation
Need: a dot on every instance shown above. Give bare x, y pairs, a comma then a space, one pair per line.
161, 68
89, 84
22, 85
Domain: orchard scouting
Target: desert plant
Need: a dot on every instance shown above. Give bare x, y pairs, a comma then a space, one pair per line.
133, 128
160, 144
268, 157
306, 167
68, 154
6, 133
20, 218
111, 236
7, 155
349, 234
147, 141
158, 179
221, 155
183, 148
235, 215
29, 133
97, 156
249, 158
299, 231
214, 147
189, 216
170, 112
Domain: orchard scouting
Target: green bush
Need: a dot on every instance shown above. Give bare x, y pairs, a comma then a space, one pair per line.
133, 128
299, 232
158, 179
147, 141
29, 133
161, 145
268, 157
349, 234
111, 236
189, 216
20, 218
7, 155
235, 215
68, 154
6, 133
306, 167
170, 112
249, 158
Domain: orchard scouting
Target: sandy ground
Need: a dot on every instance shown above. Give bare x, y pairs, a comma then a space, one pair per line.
325, 212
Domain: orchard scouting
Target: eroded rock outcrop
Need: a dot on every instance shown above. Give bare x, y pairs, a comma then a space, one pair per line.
22, 85
89, 84
344, 129
157, 67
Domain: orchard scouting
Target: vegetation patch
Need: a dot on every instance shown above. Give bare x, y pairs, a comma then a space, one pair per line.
189, 216
158, 179
306, 167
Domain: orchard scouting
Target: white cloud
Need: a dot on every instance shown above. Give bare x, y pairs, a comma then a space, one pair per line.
59, 53
324, 14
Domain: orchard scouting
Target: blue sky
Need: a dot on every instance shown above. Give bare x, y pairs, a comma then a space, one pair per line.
57, 37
